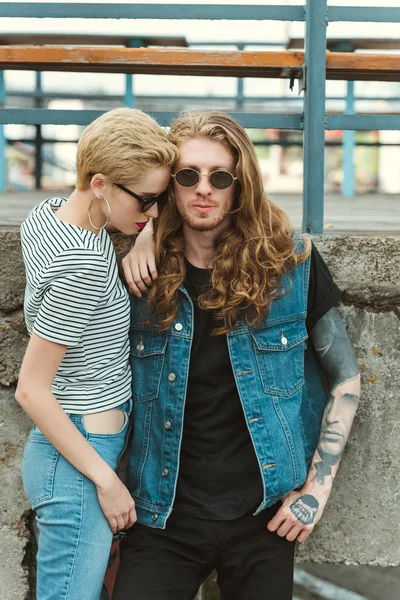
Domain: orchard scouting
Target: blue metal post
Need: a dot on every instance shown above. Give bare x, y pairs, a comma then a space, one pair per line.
38, 138
240, 86
314, 116
349, 142
3, 143
129, 98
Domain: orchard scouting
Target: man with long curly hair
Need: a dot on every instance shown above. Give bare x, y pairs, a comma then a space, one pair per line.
235, 446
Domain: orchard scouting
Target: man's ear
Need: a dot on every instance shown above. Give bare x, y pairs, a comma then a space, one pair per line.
98, 183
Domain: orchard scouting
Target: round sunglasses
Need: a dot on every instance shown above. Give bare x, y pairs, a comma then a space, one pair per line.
145, 203
220, 180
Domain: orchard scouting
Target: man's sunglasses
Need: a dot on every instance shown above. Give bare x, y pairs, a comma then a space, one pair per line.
145, 203
220, 180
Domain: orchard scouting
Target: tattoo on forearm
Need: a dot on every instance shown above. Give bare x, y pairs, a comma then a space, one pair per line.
305, 509
336, 425
324, 466
334, 349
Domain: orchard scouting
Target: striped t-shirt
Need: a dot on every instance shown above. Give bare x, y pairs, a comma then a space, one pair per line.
74, 297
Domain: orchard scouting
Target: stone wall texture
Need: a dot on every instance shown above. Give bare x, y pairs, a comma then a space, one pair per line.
361, 524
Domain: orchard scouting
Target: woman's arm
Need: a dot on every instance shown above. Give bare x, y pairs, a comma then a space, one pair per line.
301, 510
41, 361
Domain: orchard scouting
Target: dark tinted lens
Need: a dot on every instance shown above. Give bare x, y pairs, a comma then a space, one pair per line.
187, 177
147, 204
160, 199
221, 180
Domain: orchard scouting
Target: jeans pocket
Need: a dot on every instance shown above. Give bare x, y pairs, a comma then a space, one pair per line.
121, 433
38, 468
110, 446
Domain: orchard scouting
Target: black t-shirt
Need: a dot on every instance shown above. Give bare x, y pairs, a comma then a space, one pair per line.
219, 477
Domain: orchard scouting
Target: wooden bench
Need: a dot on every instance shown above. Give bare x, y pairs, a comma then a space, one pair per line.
223, 63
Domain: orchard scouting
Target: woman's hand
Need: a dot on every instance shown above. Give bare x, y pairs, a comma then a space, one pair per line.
139, 265
116, 502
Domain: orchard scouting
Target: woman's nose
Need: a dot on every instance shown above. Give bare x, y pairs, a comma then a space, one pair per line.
152, 211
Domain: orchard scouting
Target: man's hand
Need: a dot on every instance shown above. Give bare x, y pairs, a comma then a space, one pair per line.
300, 512
139, 265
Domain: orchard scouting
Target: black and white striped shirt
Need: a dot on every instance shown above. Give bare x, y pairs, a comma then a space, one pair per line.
74, 297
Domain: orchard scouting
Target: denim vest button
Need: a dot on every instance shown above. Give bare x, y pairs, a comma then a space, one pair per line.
154, 517
140, 347
284, 340
164, 472
167, 424
178, 326
172, 377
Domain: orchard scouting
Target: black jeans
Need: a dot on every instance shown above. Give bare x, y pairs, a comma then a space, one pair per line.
252, 563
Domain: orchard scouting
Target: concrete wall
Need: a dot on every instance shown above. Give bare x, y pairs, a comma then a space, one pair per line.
362, 520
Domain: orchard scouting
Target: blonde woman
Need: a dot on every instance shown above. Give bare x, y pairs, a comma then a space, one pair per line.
75, 380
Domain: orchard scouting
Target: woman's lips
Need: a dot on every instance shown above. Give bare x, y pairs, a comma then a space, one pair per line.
141, 225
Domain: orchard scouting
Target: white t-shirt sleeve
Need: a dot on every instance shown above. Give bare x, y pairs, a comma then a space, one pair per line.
73, 285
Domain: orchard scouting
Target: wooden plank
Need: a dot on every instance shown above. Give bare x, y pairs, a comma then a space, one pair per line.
221, 63
367, 67
149, 60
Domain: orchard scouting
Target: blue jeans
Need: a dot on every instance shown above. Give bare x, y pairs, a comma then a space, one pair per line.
75, 537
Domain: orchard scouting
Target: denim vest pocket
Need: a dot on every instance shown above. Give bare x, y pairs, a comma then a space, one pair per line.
147, 361
38, 468
280, 356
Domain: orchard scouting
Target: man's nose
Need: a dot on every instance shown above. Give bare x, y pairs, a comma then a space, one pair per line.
204, 187
152, 211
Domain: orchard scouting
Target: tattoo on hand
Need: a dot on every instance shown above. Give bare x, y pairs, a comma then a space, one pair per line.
305, 509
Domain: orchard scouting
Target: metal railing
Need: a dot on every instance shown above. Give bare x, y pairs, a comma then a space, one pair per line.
312, 76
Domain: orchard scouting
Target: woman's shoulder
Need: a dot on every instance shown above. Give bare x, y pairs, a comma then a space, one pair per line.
79, 259
43, 232
54, 249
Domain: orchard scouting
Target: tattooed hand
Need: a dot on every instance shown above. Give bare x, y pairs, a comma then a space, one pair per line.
299, 513
301, 510
305, 509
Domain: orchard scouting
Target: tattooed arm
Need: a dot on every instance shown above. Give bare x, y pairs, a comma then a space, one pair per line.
302, 509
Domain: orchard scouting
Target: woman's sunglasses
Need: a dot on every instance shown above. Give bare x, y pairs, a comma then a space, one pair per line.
220, 180
145, 203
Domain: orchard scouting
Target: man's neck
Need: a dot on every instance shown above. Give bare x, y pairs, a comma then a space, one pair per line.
200, 245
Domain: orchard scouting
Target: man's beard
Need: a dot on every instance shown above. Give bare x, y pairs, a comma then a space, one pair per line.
202, 222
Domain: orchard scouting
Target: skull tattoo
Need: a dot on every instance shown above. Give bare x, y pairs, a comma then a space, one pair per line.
305, 509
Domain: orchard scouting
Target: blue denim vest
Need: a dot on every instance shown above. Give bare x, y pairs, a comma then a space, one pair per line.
278, 383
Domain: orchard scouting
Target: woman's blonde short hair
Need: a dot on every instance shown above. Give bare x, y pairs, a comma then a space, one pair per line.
122, 144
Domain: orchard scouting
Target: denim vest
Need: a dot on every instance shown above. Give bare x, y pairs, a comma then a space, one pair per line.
279, 386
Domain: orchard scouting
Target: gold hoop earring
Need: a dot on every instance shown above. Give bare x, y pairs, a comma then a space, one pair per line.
108, 216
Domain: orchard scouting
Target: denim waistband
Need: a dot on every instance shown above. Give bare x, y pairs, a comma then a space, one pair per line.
125, 406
